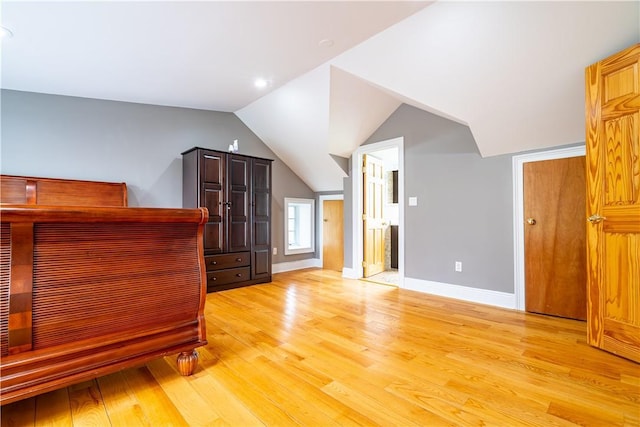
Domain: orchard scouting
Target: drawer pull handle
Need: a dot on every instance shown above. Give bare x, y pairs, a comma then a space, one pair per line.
214, 278
213, 262
239, 275
239, 259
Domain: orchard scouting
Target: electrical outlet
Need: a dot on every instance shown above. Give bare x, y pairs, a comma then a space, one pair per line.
458, 266
275, 251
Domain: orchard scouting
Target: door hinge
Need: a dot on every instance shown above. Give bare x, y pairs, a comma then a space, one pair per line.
364, 217
364, 263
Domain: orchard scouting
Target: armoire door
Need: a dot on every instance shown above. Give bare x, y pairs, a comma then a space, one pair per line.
613, 203
261, 193
212, 196
554, 237
238, 212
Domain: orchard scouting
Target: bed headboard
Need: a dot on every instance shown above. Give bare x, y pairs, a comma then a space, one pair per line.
26, 190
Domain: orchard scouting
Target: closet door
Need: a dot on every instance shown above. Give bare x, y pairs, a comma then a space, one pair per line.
261, 193
212, 197
238, 212
555, 264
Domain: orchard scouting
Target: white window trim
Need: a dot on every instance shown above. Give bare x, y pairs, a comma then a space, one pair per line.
306, 249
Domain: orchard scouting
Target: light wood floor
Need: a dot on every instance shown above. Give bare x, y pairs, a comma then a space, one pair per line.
314, 349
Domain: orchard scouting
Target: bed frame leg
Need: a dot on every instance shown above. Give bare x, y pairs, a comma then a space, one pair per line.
187, 362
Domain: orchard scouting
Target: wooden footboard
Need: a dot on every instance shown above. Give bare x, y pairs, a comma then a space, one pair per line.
85, 291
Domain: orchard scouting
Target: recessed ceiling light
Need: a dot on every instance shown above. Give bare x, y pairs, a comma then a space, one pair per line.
325, 43
5, 33
261, 83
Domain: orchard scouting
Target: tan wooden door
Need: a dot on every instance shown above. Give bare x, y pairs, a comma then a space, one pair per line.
554, 237
333, 235
373, 185
613, 203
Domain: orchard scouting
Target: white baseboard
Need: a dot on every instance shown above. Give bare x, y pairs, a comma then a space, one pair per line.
481, 296
281, 267
349, 273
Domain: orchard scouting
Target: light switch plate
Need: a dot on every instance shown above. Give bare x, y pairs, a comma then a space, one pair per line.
413, 201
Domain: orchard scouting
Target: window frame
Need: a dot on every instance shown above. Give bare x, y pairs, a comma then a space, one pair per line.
299, 226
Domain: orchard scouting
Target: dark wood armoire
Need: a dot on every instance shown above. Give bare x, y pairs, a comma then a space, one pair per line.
236, 189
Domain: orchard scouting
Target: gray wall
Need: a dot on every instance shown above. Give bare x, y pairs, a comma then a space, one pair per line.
79, 138
464, 210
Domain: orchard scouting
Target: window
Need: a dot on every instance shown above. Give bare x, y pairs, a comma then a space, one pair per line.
299, 226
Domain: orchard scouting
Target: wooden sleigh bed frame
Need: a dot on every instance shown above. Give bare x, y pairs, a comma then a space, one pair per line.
89, 286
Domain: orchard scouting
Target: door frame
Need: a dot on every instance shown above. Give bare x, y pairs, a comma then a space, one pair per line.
518, 210
357, 229
320, 222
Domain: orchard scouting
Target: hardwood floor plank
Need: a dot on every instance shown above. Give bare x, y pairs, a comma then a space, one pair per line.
160, 411
226, 404
493, 414
395, 402
325, 405
87, 407
53, 409
632, 380
307, 373
365, 405
312, 348
195, 410
19, 414
592, 415
547, 384
279, 394
440, 401
259, 404
121, 404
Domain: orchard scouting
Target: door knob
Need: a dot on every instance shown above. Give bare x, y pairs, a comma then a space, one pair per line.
531, 221
595, 218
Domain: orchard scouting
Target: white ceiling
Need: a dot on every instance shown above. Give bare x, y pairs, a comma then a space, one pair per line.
512, 71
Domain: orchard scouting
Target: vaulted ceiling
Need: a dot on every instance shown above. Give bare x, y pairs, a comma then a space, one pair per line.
512, 71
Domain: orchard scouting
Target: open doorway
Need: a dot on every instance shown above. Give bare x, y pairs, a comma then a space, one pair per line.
385, 228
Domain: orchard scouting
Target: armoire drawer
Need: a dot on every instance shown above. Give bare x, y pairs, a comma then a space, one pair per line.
224, 277
231, 260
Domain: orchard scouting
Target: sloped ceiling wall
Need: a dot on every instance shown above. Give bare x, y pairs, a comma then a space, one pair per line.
512, 71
